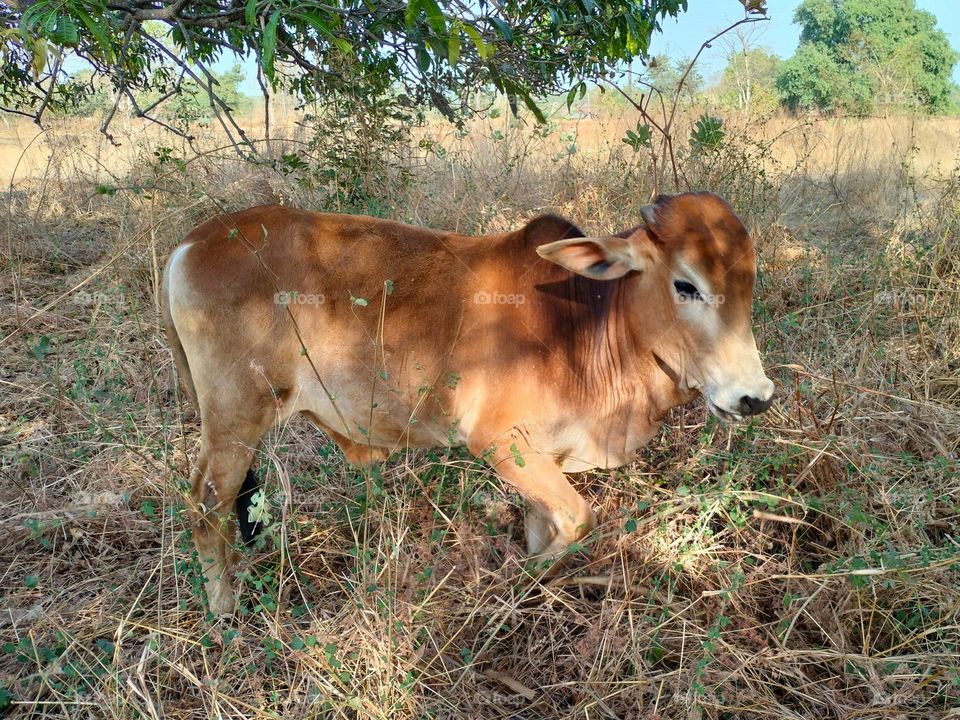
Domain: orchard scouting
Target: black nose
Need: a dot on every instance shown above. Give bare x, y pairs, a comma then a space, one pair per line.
754, 406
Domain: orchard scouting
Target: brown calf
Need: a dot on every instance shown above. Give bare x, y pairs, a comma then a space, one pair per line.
542, 350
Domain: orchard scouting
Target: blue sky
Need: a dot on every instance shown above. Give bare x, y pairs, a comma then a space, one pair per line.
682, 37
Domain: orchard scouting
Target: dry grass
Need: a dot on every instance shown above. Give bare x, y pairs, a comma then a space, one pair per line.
803, 565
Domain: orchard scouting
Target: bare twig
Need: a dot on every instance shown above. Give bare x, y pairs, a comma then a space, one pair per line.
665, 127
216, 102
266, 102
120, 88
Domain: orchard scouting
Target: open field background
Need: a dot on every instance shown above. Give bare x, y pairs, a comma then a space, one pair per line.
803, 565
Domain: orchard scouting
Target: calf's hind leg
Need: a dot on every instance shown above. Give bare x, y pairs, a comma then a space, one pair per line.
228, 444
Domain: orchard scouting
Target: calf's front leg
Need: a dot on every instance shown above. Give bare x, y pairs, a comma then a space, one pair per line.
558, 514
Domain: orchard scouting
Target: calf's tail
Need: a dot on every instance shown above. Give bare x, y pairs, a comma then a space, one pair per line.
173, 338
249, 529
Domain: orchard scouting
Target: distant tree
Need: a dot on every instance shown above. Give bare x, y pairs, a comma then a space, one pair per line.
192, 103
93, 96
748, 82
229, 84
860, 55
815, 79
664, 74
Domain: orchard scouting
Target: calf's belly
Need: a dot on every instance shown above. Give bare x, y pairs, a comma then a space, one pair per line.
373, 413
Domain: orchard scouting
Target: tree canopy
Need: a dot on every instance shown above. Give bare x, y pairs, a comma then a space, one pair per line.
437, 53
858, 55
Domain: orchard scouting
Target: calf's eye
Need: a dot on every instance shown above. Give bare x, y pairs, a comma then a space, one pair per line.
687, 291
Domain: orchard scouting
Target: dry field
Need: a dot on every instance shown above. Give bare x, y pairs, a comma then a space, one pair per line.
803, 565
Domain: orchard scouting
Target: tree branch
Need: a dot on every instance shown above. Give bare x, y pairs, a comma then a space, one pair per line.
49, 94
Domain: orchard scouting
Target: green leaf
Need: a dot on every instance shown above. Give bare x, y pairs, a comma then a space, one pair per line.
411, 14
517, 457
259, 510
65, 32
640, 138
707, 133
502, 28
39, 61
98, 31
32, 17
316, 22
250, 12
49, 23
330, 650
423, 57
268, 50
325, 26
453, 49
483, 49
513, 88
435, 17
533, 107
656, 653
572, 95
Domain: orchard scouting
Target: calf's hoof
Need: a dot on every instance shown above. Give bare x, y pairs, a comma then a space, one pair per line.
220, 599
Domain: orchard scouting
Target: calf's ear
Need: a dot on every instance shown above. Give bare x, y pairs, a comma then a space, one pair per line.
605, 258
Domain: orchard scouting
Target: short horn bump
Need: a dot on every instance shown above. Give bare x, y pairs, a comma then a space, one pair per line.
649, 214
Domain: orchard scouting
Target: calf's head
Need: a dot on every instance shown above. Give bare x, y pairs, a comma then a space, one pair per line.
689, 273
